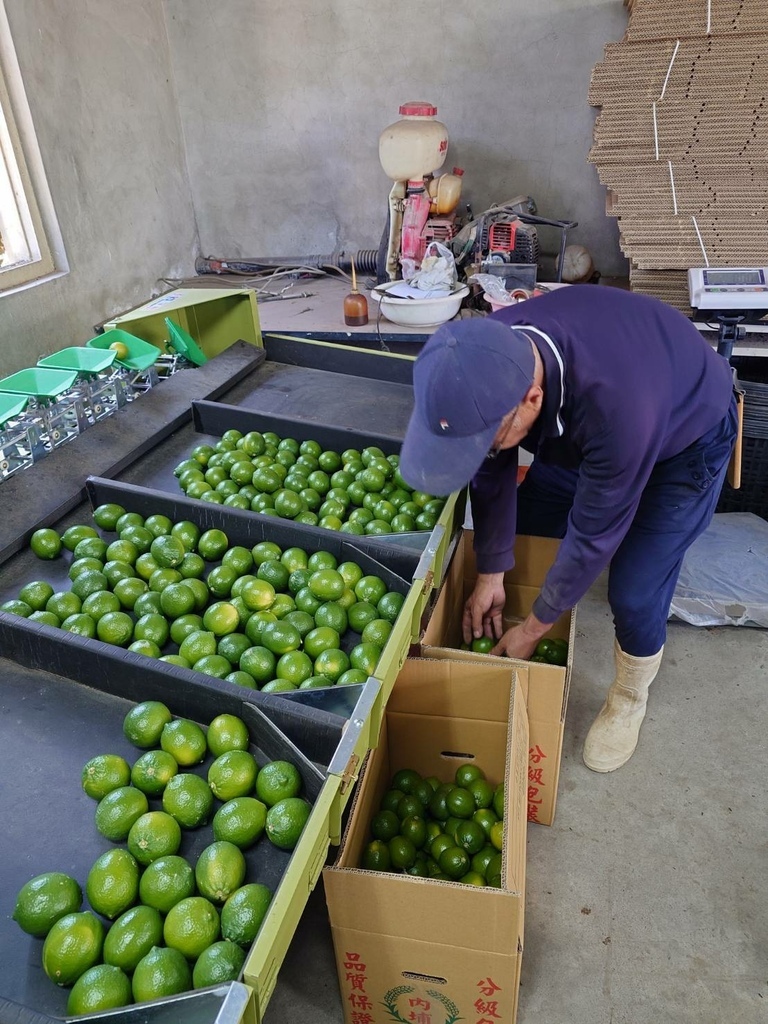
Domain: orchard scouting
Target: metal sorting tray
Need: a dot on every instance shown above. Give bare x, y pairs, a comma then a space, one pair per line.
222, 1004
49, 727
333, 726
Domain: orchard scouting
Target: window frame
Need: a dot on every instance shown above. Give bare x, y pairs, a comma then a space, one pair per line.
28, 221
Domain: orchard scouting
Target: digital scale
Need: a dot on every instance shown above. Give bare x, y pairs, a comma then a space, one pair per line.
731, 297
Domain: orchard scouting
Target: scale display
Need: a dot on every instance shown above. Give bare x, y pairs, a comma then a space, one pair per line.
742, 288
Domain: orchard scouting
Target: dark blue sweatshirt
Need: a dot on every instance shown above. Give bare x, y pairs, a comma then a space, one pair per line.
629, 382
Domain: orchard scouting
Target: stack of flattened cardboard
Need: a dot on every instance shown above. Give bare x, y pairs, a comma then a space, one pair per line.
682, 137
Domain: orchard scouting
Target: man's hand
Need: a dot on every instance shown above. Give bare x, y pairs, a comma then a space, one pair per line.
482, 612
520, 641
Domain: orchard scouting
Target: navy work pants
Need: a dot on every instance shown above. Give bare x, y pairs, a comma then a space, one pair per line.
677, 505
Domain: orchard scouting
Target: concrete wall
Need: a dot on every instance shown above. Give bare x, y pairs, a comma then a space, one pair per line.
282, 105
102, 98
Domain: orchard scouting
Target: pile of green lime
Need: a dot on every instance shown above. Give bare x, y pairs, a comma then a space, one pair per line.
550, 650
450, 831
158, 925
262, 617
358, 492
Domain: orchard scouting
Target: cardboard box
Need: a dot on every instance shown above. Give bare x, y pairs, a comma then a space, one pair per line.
545, 687
416, 949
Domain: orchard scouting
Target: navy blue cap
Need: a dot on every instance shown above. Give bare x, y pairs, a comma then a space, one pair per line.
468, 376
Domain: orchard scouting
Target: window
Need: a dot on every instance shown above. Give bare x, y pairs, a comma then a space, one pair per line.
30, 243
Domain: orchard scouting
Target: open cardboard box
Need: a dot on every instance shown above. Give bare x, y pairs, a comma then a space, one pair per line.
545, 687
419, 949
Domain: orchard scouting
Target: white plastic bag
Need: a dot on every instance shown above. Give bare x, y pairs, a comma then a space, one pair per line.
724, 578
437, 272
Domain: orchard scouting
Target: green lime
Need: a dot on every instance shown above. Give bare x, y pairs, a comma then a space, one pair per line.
276, 781
460, 803
36, 594
219, 871
227, 732
470, 837
438, 804
212, 544
385, 825
414, 828
493, 872
365, 656
323, 638
118, 810
91, 547
73, 944
241, 679
153, 771
402, 852
102, 987
258, 595
240, 821
146, 647
482, 792
280, 638
332, 614
259, 663
409, 806
177, 599
486, 818
286, 820
306, 601
467, 773
129, 519
162, 972
185, 740
221, 580
377, 632
360, 614
238, 558
104, 773
294, 667
315, 683
188, 799
100, 604
43, 900
144, 723
197, 644
370, 589
406, 780
265, 549
152, 627
47, 618
74, 534
165, 882
107, 515
63, 604
82, 625
243, 913
132, 936
140, 538
81, 565
153, 835
497, 835
219, 963
232, 774
351, 677
115, 627
14, 607
129, 590
221, 618
454, 862
376, 856
303, 621
332, 663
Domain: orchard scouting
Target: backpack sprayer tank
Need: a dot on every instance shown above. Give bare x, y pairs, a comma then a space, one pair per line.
421, 206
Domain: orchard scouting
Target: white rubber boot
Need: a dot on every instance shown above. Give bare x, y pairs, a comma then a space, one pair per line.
612, 739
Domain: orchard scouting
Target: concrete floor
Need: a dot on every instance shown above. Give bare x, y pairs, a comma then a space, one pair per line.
646, 901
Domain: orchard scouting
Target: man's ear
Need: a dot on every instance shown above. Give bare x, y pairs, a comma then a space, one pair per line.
533, 399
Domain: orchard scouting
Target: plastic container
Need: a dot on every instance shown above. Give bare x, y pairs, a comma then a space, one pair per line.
418, 312
415, 145
140, 355
39, 382
79, 358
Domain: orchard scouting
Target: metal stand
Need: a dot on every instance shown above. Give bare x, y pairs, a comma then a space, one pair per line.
730, 332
